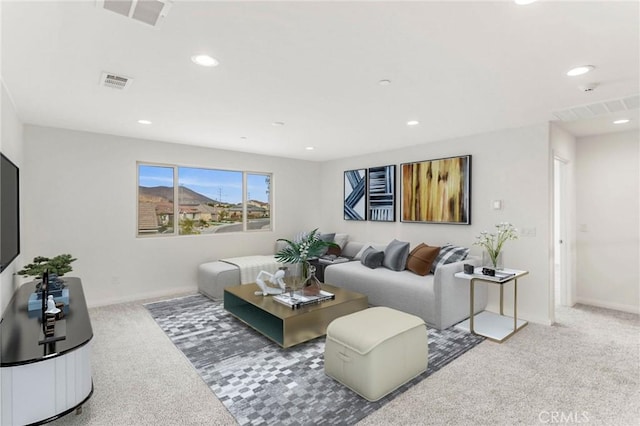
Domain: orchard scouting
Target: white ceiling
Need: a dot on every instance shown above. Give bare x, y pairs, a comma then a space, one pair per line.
459, 68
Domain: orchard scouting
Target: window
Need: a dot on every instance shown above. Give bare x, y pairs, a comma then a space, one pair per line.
155, 200
209, 200
258, 204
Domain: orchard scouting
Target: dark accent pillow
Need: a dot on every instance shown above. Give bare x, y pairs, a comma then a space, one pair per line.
449, 254
395, 255
372, 258
420, 259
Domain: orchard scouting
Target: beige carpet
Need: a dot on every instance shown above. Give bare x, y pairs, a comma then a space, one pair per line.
586, 369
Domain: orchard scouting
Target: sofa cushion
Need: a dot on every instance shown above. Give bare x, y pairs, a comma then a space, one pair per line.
395, 255
421, 257
449, 254
372, 258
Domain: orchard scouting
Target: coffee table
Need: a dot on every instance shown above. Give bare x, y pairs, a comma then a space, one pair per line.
285, 326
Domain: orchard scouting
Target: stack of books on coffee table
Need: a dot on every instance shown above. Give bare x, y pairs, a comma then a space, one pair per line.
298, 299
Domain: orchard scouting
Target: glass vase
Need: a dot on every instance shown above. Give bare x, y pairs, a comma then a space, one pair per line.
298, 275
488, 262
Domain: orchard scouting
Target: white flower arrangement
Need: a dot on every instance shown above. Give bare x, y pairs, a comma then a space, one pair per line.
493, 242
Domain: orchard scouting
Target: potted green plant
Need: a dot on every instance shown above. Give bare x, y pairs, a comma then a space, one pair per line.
56, 266
306, 246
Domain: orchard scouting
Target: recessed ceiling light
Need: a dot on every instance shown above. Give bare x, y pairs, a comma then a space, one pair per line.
277, 123
582, 69
413, 123
144, 122
309, 148
524, 2
622, 121
384, 82
204, 60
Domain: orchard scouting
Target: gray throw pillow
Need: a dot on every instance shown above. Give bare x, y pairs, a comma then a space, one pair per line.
327, 237
395, 255
449, 254
372, 258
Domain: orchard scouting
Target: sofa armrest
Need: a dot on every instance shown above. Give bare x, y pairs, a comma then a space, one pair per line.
452, 294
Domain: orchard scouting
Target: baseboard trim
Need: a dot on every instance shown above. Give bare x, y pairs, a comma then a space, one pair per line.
148, 297
607, 305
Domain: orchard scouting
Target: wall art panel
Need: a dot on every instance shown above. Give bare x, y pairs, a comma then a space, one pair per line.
437, 191
355, 197
382, 193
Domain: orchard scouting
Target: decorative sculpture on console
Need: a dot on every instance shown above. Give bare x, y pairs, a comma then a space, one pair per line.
51, 306
277, 278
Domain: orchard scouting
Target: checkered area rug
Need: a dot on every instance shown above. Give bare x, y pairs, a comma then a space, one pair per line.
261, 383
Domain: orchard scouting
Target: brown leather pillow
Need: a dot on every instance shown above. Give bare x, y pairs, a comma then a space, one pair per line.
421, 257
337, 251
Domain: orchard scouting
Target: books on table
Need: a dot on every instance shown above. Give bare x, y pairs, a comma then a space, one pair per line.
298, 299
330, 259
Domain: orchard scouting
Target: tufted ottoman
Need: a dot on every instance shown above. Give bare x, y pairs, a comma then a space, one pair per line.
376, 350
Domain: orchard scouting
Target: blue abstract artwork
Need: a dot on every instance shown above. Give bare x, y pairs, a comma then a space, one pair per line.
355, 198
382, 188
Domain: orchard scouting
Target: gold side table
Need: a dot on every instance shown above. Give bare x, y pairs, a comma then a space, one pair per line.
495, 327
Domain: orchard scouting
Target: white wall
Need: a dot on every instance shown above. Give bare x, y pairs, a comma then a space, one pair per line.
509, 165
80, 189
608, 216
11, 147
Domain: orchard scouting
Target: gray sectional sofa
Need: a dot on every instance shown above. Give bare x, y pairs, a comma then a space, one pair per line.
439, 299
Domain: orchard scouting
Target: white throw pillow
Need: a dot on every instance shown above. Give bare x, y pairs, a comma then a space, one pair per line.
341, 240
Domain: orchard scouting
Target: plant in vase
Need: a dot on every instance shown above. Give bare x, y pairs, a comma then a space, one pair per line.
492, 242
305, 246
56, 266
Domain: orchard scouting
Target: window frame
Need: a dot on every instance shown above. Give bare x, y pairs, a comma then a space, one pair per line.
176, 204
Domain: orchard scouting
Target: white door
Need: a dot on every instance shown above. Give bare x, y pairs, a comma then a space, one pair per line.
561, 287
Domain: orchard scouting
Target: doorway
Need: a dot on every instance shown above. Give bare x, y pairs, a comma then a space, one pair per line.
561, 291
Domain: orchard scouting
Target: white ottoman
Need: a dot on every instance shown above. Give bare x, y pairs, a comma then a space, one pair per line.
376, 350
213, 277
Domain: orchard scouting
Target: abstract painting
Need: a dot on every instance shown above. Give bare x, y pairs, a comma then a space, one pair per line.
382, 193
355, 198
437, 191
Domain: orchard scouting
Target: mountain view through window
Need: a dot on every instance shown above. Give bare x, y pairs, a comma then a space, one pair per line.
208, 200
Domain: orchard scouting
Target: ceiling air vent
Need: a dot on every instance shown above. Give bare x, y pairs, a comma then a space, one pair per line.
115, 81
599, 109
151, 12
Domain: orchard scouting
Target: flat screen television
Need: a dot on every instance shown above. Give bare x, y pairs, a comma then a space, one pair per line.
9, 212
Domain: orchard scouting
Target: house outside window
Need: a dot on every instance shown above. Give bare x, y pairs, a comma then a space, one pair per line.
209, 201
